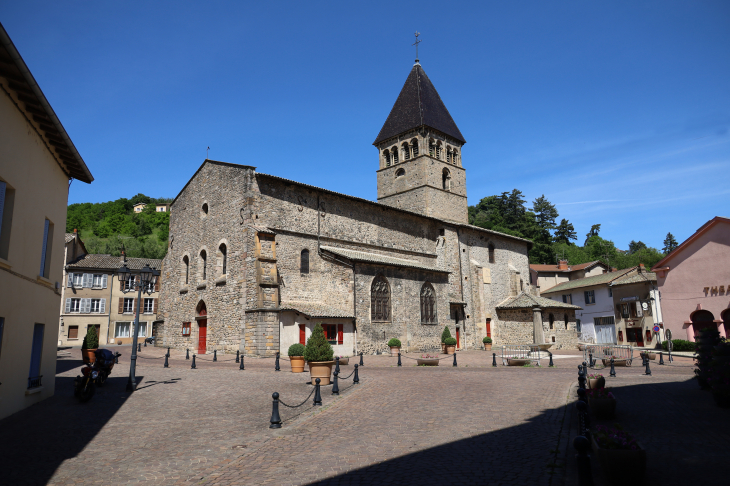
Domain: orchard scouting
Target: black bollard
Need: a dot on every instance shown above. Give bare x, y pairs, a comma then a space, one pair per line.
145, 343
276, 365
585, 476
166, 363
356, 380
275, 419
494, 359
551, 360
168, 351
399, 363
661, 358
361, 364
582, 395
215, 355
585, 369
337, 364
116, 358
613, 370
590, 360
581, 378
648, 370
187, 354
317, 396
335, 386
454, 359
238, 352
240, 367
139, 347
192, 367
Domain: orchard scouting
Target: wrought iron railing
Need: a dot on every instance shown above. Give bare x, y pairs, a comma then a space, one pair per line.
608, 351
34, 382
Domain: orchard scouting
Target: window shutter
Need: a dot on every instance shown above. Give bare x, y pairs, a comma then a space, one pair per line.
68, 306
121, 305
102, 306
87, 280
121, 283
2, 203
134, 305
340, 336
154, 305
585, 295
43, 250
103, 281
157, 284
639, 310
70, 282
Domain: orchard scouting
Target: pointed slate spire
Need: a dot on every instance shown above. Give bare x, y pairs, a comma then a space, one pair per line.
418, 104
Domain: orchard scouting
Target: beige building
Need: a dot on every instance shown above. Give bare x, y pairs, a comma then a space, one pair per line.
37, 163
545, 277
139, 207
94, 296
162, 208
637, 308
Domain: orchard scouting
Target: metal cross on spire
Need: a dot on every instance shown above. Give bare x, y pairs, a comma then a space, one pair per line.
418, 41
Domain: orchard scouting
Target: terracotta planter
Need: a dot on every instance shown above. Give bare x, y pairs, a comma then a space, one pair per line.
616, 362
581, 347
602, 408
297, 364
450, 349
517, 362
487, 347
443, 348
394, 350
428, 361
621, 467
651, 356
596, 383
344, 361
321, 370
88, 355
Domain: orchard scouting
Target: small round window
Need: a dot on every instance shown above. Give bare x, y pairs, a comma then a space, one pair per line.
400, 172
204, 209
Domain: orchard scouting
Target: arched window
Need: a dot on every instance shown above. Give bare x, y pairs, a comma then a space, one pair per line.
380, 300
438, 150
551, 318
428, 304
186, 264
702, 319
394, 154
223, 258
304, 262
565, 320
446, 180
386, 156
414, 147
204, 264
431, 148
455, 157
400, 172
201, 310
406, 151
490, 247
448, 155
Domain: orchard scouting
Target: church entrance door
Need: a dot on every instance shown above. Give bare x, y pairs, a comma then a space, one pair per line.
302, 334
202, 335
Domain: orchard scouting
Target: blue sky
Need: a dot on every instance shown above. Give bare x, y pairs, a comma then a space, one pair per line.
617, 111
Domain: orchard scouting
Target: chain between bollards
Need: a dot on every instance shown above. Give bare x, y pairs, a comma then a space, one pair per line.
494, 359
238, 352
335, 386
192, 367
613, 370
399, 363
356, 380
454, 358
187, 354
317, 395
276, 365
275, 419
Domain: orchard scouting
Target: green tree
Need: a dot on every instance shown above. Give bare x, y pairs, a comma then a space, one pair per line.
670, 244
635, 246
565, 232
595, 229
545, 213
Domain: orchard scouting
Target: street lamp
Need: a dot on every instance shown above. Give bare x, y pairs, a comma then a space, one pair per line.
146, 284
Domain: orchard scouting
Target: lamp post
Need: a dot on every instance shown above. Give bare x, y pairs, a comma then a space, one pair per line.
146, 284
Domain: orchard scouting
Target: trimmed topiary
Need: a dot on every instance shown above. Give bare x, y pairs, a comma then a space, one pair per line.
394, 343
296, 350
487, 340
318, 349
91, 340
446, 334
449, 341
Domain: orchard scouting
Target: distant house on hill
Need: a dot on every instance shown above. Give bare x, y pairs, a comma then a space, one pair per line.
162, 208
545, 277
139, 207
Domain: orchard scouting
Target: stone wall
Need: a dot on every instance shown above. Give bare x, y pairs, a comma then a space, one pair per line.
515, 326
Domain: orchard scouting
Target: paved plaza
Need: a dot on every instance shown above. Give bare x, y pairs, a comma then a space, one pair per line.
473, 424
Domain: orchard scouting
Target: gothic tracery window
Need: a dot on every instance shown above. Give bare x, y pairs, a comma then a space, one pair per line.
428, 304
380, 300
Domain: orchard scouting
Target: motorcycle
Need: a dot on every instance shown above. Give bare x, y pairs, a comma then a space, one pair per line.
94, 374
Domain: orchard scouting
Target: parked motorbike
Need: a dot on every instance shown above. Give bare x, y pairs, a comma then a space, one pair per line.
94, 374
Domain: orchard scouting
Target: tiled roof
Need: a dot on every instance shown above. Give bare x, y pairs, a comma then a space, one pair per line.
262, 229
604, 278
108, 262
526, 301
315, 309
362, 256
571, 268
638, 277
70, 237
418, 104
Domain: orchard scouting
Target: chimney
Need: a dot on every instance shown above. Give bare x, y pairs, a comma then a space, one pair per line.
75, 231
563, 265
614, 269
642, 268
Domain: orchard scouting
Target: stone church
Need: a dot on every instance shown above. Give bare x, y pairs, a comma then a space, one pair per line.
256, 260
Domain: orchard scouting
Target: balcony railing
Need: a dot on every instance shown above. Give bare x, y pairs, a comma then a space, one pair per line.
34, 382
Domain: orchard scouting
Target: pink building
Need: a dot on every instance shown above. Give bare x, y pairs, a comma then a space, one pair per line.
694, 281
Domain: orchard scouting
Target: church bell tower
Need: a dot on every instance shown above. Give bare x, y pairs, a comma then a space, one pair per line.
419, 150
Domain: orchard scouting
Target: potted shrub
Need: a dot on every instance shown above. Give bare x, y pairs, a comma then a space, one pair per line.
444, 336
596, 381
428, 360
90, 345
394, 345
319, 354
602, 402
450, 344
487, 343
296, 357
620, 456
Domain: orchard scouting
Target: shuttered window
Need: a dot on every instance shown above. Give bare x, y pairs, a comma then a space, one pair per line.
186, 329
73, 332
122, 330
128, 306
340, 333
330, 331
148, 306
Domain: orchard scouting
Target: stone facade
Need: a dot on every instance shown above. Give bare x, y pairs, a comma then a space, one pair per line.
516, 327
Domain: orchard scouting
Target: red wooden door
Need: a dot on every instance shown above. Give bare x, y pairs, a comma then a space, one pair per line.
202, 335
458, 339
302, 334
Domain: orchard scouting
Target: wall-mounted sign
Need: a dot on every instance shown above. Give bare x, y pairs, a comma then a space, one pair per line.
629, 299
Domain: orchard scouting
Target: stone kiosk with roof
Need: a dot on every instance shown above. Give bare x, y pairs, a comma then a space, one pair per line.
256, 260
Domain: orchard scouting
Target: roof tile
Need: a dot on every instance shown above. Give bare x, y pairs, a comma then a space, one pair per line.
109, 262
604, 278
362, 256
